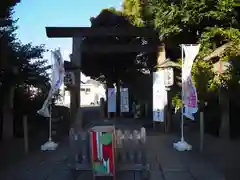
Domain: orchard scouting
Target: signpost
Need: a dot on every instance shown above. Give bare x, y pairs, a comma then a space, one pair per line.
159, 96
69, 78
168, 82
168, 76
124, 106
167, 66
111, 101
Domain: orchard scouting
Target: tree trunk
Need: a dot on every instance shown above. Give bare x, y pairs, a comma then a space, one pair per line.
7, 131
1, 121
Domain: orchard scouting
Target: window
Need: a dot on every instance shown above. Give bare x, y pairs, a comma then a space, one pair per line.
82, 89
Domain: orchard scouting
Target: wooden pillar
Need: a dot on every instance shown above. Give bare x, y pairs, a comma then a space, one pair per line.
201, 146
25, 132
102, 107
169, 112
225, 121
118, 100
224, 131
75, 98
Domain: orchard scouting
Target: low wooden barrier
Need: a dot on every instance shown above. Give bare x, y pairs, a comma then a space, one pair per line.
128, 151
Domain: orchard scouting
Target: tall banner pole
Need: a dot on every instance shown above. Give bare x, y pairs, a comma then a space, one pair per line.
189, 94
182, 109
50, 121
46, 110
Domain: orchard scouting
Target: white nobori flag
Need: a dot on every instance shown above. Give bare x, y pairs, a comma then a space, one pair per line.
188, 88
57, 80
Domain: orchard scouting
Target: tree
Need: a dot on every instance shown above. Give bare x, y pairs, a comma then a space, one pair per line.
191, 22
133, 10
213, 24
115, 67
21, 68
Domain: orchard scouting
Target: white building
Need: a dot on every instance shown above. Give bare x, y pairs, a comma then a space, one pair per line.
91, 92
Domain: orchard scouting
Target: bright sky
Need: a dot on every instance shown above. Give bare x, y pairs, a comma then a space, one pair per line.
35, 15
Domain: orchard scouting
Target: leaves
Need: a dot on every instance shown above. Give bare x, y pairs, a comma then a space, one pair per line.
208, 22
21, 65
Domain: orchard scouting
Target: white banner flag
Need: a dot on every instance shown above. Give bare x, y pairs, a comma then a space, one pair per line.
159, 96
111, 100
124, 100
188, 88
57, 80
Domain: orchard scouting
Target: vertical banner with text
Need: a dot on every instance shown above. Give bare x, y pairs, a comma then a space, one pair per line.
189, 91
159, 96
124, 100
58, 72
111, 100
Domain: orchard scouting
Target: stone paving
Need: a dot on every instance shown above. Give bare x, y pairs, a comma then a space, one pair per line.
38, 165
165, 164
169, 164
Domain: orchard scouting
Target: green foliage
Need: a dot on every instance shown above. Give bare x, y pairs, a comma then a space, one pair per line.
177, 101
113, 10
131, 69
6, 7
21, 65
208, 22
214, 37
133, 10
174, 17
202, 76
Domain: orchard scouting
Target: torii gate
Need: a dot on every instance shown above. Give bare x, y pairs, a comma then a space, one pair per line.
78, 33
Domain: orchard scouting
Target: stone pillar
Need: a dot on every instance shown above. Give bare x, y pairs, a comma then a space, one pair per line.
75, 98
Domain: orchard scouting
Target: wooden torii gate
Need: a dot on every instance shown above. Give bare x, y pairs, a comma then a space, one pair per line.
79, 33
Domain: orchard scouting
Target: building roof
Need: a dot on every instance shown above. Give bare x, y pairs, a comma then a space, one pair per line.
94, 82
169, 63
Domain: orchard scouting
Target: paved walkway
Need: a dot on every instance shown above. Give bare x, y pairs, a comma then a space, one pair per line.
165, 164
169, 164
223, 153
38, 165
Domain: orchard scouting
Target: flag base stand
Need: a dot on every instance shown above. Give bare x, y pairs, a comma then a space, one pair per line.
182, 146
49, 146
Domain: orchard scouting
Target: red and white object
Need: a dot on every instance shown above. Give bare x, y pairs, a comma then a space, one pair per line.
103, 155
